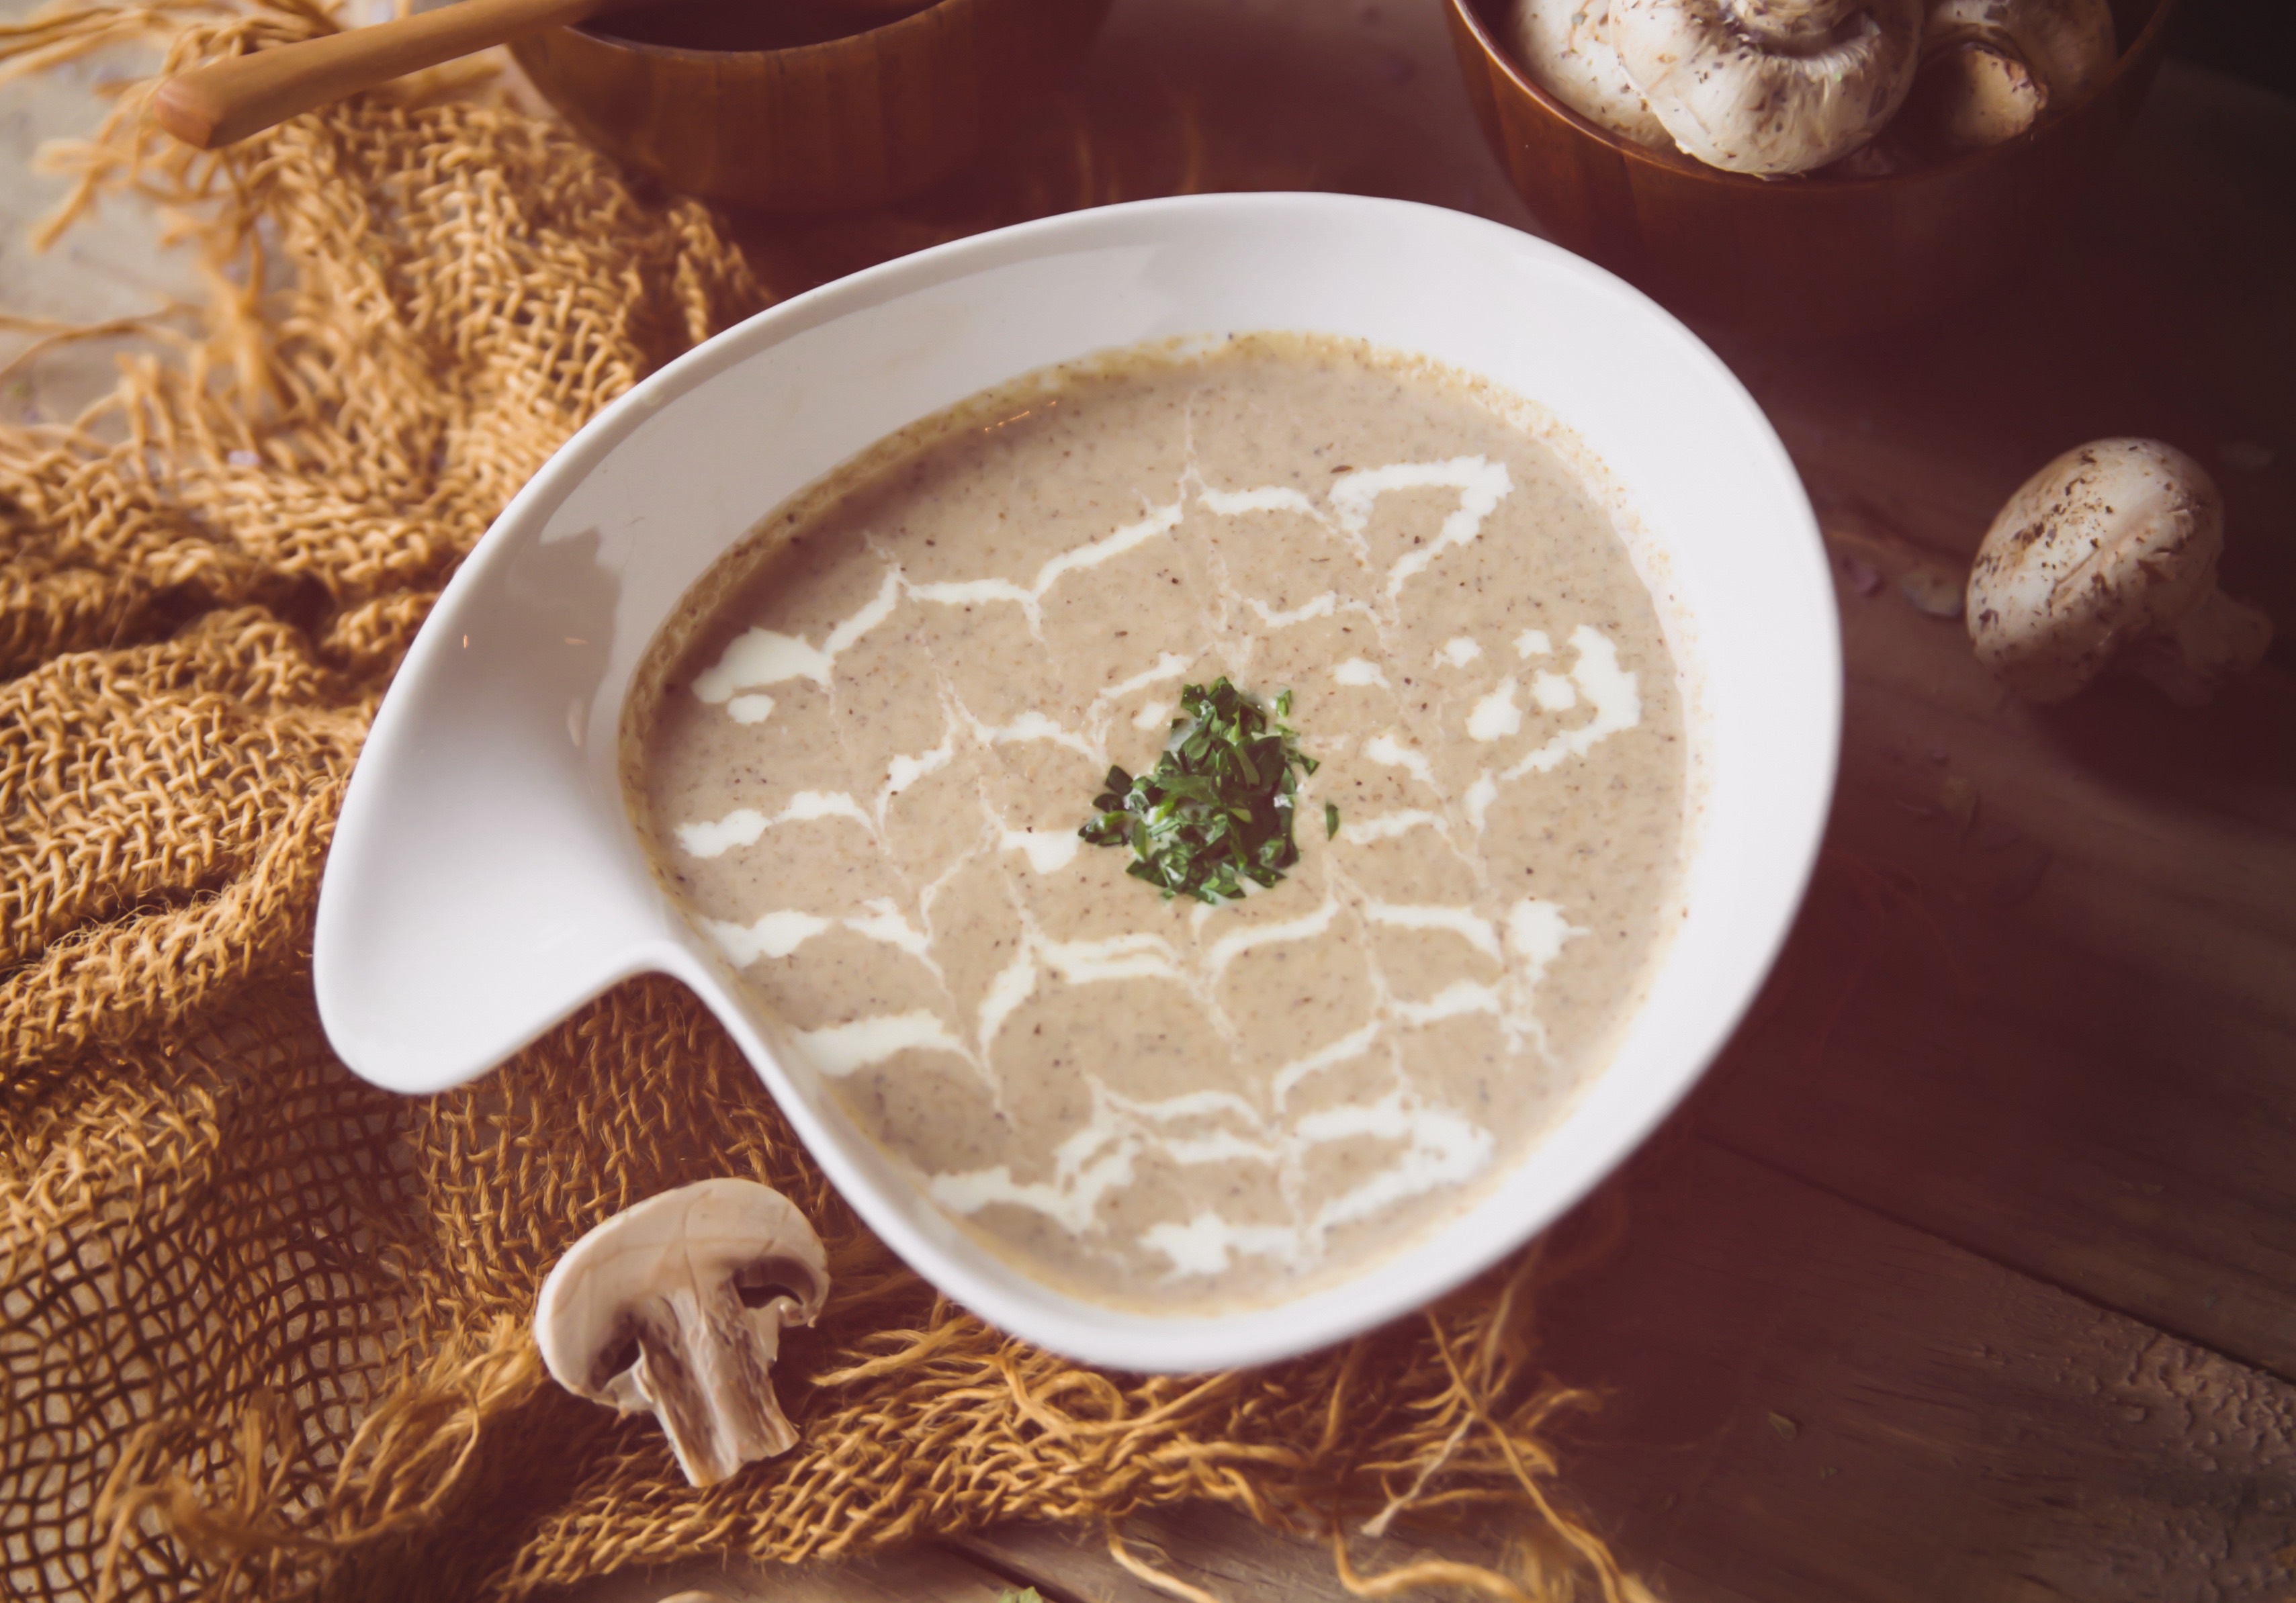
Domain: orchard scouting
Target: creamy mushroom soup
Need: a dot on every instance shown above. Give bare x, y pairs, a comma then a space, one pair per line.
862, 752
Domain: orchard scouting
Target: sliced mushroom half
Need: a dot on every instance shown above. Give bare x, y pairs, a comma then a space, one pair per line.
676, 1306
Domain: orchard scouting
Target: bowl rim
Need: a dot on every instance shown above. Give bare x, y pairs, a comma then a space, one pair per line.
1395, 1281
842, 43
2138, 52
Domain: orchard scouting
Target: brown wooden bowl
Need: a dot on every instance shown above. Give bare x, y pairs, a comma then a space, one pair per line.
1796, 256
850, 122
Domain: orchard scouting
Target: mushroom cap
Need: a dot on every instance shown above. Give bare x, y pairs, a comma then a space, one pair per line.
2066, 45
676, 1305
1971, 94
1565, 45
1769, 86
1992, 69
2114, 541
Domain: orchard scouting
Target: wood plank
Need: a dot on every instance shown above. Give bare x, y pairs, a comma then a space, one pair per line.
2166, 309
2108, 1106
924, 1574
1188, 96
2113, 1116
2108, 1109
1806, 1402
1218, 1549
1810, 1403
2105, 1102
2170, 838
1221, 1552
2104, 1111
2101, 1095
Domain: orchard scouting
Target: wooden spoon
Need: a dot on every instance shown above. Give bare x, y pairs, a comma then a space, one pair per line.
226, 101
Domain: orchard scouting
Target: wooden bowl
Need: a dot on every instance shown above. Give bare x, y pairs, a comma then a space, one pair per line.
1796, 256
850, 122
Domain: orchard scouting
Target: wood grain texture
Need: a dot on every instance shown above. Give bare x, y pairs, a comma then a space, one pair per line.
854, 122
1808, 1405
2069, 1045
2109, 1110
920, 1574
1215, 1549
2108, 1107
1795, 255
1812, 1403
2106, 1100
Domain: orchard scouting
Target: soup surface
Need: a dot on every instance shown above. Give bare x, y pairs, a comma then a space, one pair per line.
862, 752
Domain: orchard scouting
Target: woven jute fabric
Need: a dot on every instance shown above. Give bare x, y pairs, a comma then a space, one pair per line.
265, 1328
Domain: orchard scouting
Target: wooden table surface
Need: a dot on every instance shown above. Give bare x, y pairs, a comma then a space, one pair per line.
1969, 1273
1971, 1270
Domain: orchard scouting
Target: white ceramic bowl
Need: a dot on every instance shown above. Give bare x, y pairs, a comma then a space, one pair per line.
486, 881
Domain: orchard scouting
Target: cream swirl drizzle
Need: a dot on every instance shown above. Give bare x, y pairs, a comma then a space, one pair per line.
1505, 944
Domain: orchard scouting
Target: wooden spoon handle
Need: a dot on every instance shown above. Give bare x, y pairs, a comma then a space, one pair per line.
228, 100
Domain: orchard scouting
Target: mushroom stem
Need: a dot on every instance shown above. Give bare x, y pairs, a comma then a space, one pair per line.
704, 1371
2216, 641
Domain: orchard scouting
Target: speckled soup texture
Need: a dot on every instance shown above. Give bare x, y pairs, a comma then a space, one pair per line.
861, 752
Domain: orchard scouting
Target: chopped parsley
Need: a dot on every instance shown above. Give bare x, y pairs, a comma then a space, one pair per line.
1217, 811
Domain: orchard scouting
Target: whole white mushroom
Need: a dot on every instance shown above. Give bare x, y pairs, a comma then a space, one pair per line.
2110, 552
1992, 69
1769, 86
1565, 46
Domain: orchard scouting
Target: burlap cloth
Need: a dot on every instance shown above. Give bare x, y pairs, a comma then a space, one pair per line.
265, 1328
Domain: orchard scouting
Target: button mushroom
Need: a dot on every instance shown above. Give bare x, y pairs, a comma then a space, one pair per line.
1992, 69
1968, 95
1565, 45
677, 1306
1769, 86
2111, 551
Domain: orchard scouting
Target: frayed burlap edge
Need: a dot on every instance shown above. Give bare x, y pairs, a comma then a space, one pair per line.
413, 299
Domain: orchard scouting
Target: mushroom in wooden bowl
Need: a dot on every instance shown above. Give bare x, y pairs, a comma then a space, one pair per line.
1804, 167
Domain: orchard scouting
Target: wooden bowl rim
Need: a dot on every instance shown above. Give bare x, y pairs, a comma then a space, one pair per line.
613, 42
1469, 13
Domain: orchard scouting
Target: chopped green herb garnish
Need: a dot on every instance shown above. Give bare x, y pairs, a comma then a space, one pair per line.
1217, 811
1330, 820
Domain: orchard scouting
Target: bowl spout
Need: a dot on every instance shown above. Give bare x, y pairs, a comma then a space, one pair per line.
464, 908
